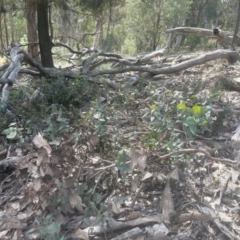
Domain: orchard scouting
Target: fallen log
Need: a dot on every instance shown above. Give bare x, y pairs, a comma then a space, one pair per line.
217, 33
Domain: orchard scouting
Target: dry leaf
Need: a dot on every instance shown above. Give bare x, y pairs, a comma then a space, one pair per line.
167, 202
43, 156
11, 223
47, 170
76, 202
142, 163
3, 233
146, 175
135, 182
235, 175
39, 142
93, 141
138, 156
37, 182
236, 136
80, 235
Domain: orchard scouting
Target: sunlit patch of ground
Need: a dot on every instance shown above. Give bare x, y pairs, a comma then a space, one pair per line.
3, 61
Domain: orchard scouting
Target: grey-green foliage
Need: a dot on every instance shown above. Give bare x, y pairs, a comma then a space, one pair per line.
211, 12
175, 12
122, 163
98, 6
55, 123
92, 196
13, 131
48, 229
67, 92
144, 24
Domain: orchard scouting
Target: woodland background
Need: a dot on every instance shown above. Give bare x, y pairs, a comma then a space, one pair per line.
126, 27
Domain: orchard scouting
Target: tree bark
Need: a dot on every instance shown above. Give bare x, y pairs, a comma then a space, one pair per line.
43, 33
1, 32
98, 28
6, 30
235, 37
31, 16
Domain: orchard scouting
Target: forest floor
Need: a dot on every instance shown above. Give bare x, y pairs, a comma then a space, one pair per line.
151, 161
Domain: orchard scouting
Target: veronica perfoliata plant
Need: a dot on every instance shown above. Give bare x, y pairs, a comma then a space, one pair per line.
193, 119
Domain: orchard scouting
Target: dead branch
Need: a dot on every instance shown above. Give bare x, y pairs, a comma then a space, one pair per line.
223, 36
11, 74
89, 224
194, 216
183, 151
138, 64
231, 56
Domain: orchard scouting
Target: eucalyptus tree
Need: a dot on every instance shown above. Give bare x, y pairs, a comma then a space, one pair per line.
175, 15
45, 42
144, 24
32, 36
11, 27
236, 26
102, 11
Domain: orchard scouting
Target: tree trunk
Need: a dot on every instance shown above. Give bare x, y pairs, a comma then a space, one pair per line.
12, 27
31, 11
43, 33
6, 30
234, 41
98, 28
1, 32
50, 22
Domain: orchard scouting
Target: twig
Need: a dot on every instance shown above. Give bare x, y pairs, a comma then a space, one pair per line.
195, 135
189, 150
137, 194
8, 153
3, 152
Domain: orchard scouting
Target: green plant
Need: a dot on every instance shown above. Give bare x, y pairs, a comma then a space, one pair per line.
48, 229
193, 119
122, 163
192, 115
92, 201
13, 132
100, 115
56, 123
66, 92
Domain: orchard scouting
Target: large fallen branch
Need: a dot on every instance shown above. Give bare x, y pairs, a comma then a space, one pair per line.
231, 56
223, 36
139, 64
10, 75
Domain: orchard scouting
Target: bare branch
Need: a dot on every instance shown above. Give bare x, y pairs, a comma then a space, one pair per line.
223, 160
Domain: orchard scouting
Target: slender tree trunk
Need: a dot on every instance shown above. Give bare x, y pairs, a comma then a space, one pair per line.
109, 21
2, 12
43, 33
234, 41
31, 16
98, 28
6, 29
12, 27
1, 32
50, 22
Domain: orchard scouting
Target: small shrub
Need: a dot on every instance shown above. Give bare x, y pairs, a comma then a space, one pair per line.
67, 92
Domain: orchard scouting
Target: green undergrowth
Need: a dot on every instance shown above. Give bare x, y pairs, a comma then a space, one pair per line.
176, 116
170, 117
56, 105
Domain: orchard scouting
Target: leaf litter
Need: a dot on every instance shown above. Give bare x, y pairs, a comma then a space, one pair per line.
139, 176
